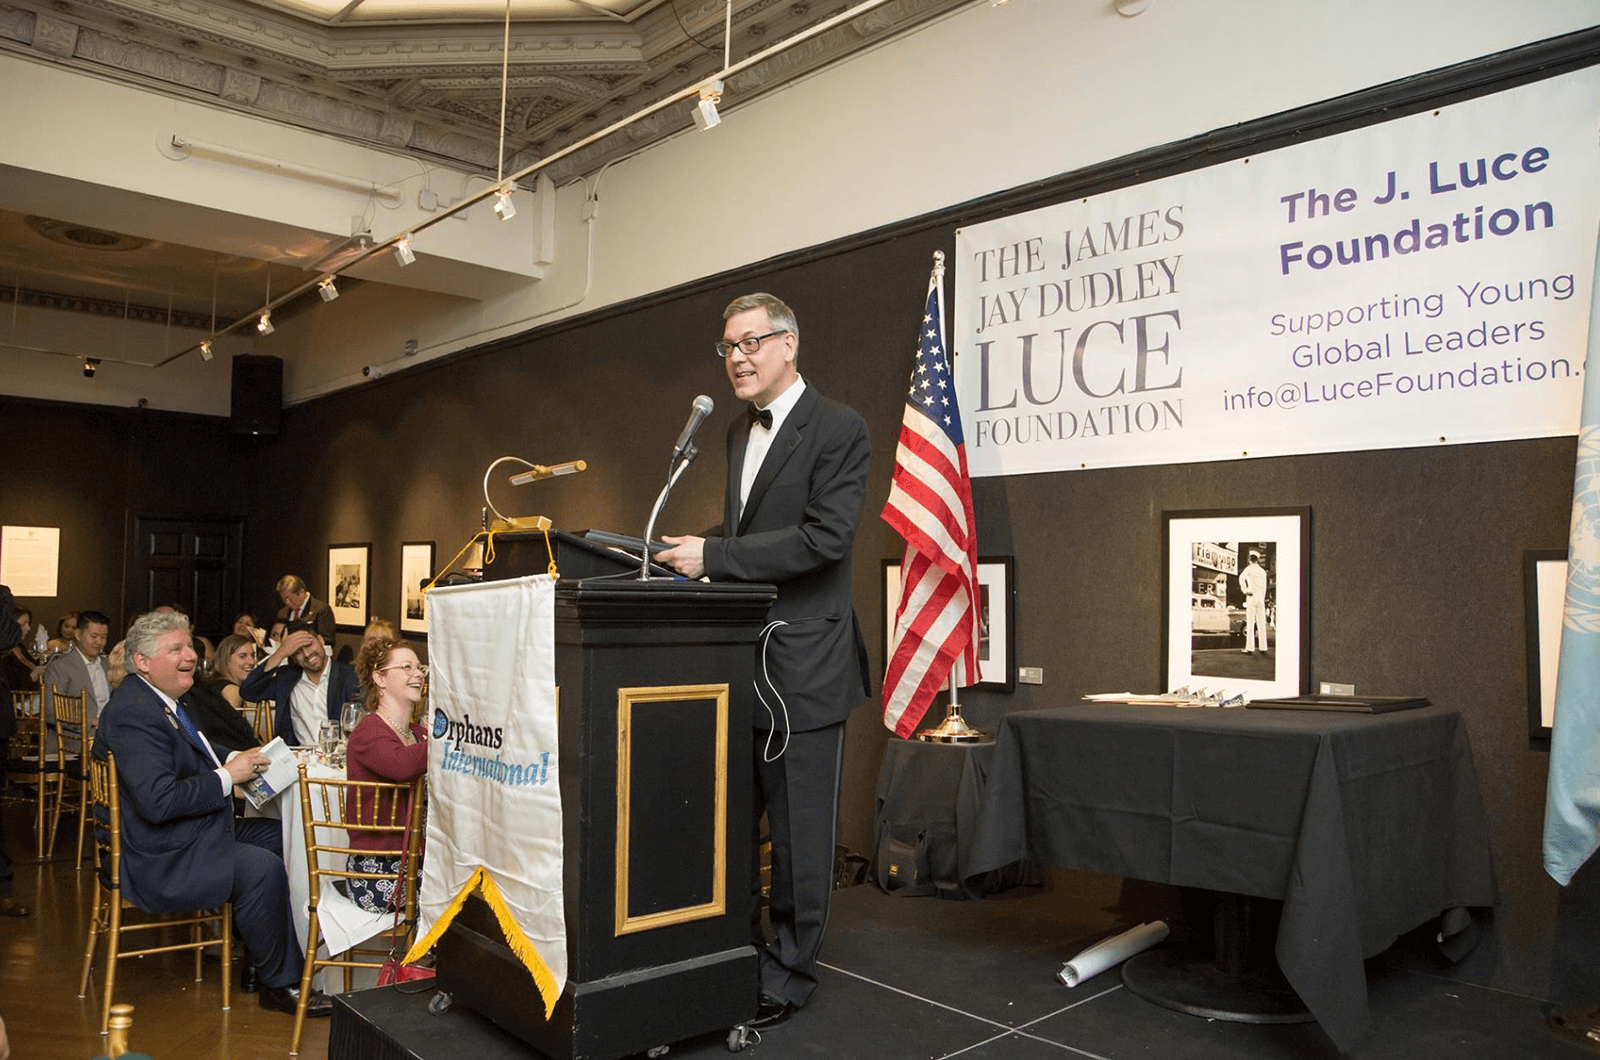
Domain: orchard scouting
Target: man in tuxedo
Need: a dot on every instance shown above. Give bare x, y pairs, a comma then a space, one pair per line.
308, 688
10, 634
797, 479
83, 667
182, 848
300, 606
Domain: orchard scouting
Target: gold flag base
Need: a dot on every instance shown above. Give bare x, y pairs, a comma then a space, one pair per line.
954, 729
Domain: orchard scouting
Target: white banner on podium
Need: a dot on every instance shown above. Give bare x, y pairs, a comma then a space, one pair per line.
494, 800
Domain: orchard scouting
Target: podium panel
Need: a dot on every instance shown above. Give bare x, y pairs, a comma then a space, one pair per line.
654, 690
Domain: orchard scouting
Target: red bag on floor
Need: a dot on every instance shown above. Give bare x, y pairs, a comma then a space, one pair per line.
395, 972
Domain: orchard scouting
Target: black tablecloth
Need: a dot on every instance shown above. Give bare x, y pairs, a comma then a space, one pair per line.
1365, 826
927, 807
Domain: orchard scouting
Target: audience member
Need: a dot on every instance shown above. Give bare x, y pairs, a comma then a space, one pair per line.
10, 633
391, 744
378, 629
306, 689
244, 624
236, 657
22, 668
82, 668
66, 626
213, 702
300, 606
182, 848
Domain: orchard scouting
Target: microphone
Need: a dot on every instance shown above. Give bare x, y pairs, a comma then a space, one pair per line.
702, 408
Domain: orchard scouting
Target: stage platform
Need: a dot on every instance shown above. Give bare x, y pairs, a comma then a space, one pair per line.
907, 978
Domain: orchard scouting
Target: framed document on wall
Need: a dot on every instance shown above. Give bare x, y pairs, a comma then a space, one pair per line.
1544, 585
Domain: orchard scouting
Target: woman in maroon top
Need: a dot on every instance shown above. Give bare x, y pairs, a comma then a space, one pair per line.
389, 744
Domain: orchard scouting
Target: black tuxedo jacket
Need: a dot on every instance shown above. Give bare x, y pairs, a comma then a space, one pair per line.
796, 532
177, 822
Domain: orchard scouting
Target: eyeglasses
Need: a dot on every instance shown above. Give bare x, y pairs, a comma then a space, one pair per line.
410, 668
749, 345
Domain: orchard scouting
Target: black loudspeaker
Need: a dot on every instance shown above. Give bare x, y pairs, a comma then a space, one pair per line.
257, 394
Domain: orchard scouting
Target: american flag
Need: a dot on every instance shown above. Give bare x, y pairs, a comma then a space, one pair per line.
930, 505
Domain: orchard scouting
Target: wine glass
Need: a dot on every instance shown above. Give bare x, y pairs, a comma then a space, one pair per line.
350, 716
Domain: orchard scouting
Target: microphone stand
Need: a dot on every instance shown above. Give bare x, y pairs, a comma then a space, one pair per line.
689, 453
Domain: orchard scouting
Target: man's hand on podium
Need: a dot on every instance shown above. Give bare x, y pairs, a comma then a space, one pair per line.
686, 556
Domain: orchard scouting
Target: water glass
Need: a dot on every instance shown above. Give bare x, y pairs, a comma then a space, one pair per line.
327, 740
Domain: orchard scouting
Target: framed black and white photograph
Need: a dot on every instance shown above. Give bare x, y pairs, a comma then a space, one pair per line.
997, 598
1544, 587
1236, 601
349, 584
416, 567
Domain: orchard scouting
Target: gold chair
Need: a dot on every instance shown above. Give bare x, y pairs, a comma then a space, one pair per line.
260, 715
28, 760
73, 736
325, 804
107, 917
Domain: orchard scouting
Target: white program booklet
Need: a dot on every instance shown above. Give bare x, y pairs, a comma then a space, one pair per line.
281, 774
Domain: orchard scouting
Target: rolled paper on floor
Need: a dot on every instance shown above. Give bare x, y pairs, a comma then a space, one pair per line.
1110, 952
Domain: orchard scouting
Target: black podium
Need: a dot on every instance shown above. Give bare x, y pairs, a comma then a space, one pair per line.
653, 691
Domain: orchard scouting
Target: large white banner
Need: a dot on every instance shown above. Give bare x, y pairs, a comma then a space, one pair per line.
1417, 282
494, 798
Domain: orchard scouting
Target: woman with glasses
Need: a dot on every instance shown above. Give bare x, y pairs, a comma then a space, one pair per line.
390, 744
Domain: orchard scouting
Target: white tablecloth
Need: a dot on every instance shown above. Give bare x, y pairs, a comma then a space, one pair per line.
343, 923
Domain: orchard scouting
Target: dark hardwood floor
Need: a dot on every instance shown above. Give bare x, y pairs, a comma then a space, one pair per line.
174, 1017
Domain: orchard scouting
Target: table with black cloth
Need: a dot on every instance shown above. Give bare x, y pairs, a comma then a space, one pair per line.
1364, 826
929, 795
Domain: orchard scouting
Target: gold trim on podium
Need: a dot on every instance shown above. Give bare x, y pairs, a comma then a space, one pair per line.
627, 699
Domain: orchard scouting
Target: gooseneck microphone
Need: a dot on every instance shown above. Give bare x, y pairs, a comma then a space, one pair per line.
697, 415
683, 455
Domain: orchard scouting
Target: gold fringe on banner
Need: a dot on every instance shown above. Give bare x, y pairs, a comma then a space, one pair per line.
484, 885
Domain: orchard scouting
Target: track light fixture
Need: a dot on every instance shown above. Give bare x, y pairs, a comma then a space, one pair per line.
89, 365
403, 251
705, 111
326, 290
503, 204
264, 324
205, 350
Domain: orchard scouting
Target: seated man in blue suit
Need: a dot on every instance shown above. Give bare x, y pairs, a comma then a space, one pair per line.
308, 689
182, 848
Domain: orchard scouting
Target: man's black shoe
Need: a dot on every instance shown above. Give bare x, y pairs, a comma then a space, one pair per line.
770, 1013
248, 983
287, 998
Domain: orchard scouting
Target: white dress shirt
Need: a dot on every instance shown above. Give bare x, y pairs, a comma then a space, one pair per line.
755, 450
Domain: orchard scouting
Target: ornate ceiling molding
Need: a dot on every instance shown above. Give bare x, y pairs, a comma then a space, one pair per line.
433, 89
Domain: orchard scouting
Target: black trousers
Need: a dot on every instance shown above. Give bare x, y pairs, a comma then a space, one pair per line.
261, 902
799, 793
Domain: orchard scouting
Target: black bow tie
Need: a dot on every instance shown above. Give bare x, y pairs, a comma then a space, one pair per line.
761, 416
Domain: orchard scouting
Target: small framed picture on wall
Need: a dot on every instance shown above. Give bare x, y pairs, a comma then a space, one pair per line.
349, 584
416, 567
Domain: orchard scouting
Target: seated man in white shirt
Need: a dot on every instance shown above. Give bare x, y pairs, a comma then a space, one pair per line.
82, 667
308, 688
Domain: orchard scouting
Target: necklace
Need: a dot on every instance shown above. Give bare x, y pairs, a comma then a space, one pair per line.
403, 731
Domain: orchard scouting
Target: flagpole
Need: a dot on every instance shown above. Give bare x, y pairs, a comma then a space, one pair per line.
954, 728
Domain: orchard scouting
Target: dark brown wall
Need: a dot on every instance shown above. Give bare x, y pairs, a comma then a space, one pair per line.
89, 470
